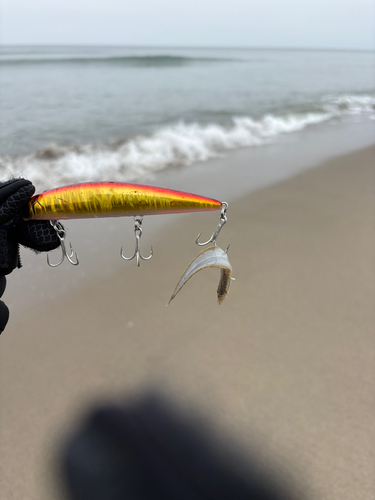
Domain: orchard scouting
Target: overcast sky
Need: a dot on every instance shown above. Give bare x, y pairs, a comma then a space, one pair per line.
260, 23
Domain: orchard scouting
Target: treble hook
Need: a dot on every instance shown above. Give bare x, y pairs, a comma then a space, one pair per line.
138, 233
61, 233
222, 221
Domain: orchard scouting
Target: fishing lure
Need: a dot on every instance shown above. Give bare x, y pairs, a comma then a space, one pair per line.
210, 257
115, 199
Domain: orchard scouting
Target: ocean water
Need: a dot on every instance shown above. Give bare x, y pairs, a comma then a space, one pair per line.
72, 114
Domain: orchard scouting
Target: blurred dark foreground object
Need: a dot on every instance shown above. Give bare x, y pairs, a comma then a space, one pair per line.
148, 450
37, 235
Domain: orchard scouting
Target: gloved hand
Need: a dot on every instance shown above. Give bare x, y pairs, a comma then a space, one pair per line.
38, 235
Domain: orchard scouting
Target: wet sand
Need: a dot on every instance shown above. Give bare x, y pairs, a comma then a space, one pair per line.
285, 364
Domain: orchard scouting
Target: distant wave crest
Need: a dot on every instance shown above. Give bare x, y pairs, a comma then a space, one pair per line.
178, 144
135, 61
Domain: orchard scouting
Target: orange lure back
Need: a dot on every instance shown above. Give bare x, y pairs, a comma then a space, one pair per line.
114, 199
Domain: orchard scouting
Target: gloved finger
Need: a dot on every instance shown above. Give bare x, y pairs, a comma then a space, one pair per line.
38, 235
10, 187
3, 283
4, 316
14, 195
9, 256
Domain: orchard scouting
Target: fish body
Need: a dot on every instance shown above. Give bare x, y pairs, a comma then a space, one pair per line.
210, 257
113, 199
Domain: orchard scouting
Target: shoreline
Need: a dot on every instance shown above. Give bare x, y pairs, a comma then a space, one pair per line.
238, 174
285, 363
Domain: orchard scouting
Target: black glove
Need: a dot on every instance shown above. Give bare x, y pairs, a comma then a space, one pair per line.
38, 235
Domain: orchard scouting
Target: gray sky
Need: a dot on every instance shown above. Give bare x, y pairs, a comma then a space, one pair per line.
262, 23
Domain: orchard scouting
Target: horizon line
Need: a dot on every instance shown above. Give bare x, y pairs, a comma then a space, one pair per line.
214, 47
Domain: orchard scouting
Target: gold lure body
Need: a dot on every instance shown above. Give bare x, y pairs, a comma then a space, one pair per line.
114, 199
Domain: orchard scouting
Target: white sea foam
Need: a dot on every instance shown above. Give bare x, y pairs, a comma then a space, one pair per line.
351, 104
178, 144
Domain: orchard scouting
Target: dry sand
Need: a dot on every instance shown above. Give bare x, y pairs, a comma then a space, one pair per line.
285, 364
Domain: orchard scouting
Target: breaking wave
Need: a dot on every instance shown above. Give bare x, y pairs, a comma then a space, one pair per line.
179, 144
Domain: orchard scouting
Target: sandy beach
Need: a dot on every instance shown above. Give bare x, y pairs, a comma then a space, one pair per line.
285, 365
